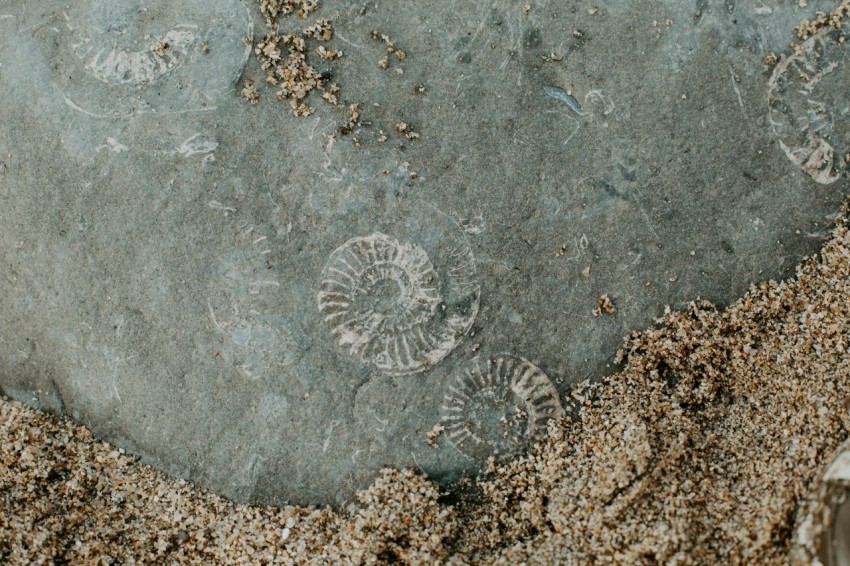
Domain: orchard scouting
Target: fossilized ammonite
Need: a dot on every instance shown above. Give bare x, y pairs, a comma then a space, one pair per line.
145, 56
388, 305
809, 108
157, 56
499, 410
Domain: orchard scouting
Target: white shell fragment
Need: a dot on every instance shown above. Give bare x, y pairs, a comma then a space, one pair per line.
500, 410
839, 470
386, 303
809, 109
823, 533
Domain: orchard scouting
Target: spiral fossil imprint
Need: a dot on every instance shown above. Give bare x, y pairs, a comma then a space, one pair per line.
388, 305
134, 67
501, 409
127, 57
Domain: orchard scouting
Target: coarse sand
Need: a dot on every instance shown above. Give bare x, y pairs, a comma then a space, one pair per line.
706, 448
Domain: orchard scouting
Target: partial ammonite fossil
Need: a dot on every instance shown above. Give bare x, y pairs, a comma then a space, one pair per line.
501, 409
809, 106
252, 330
130, 57
156, 56
392, 305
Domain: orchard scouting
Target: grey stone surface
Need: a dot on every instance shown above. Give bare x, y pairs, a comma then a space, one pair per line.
238, 298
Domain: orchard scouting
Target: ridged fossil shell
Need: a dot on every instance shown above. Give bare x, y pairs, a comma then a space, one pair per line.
130, 57
387, 305
499, 410
115, 66
809, 112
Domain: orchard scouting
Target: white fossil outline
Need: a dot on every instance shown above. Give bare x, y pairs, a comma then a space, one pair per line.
263, 341
195, 58
124, 67
415, 329
506, 375
811, 151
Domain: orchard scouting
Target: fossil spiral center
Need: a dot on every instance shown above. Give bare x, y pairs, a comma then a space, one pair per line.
391, 298
496, 417
384, 295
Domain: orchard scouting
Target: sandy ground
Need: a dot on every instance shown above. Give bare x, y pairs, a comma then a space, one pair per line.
705, 449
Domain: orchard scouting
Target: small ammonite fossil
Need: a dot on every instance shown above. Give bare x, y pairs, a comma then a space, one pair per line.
388, 305
499, 410
155, 58
125, 58
809, 112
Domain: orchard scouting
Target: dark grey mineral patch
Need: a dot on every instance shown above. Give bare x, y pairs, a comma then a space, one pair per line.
259, 303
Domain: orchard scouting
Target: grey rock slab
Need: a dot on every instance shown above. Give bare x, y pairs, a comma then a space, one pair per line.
255, 302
